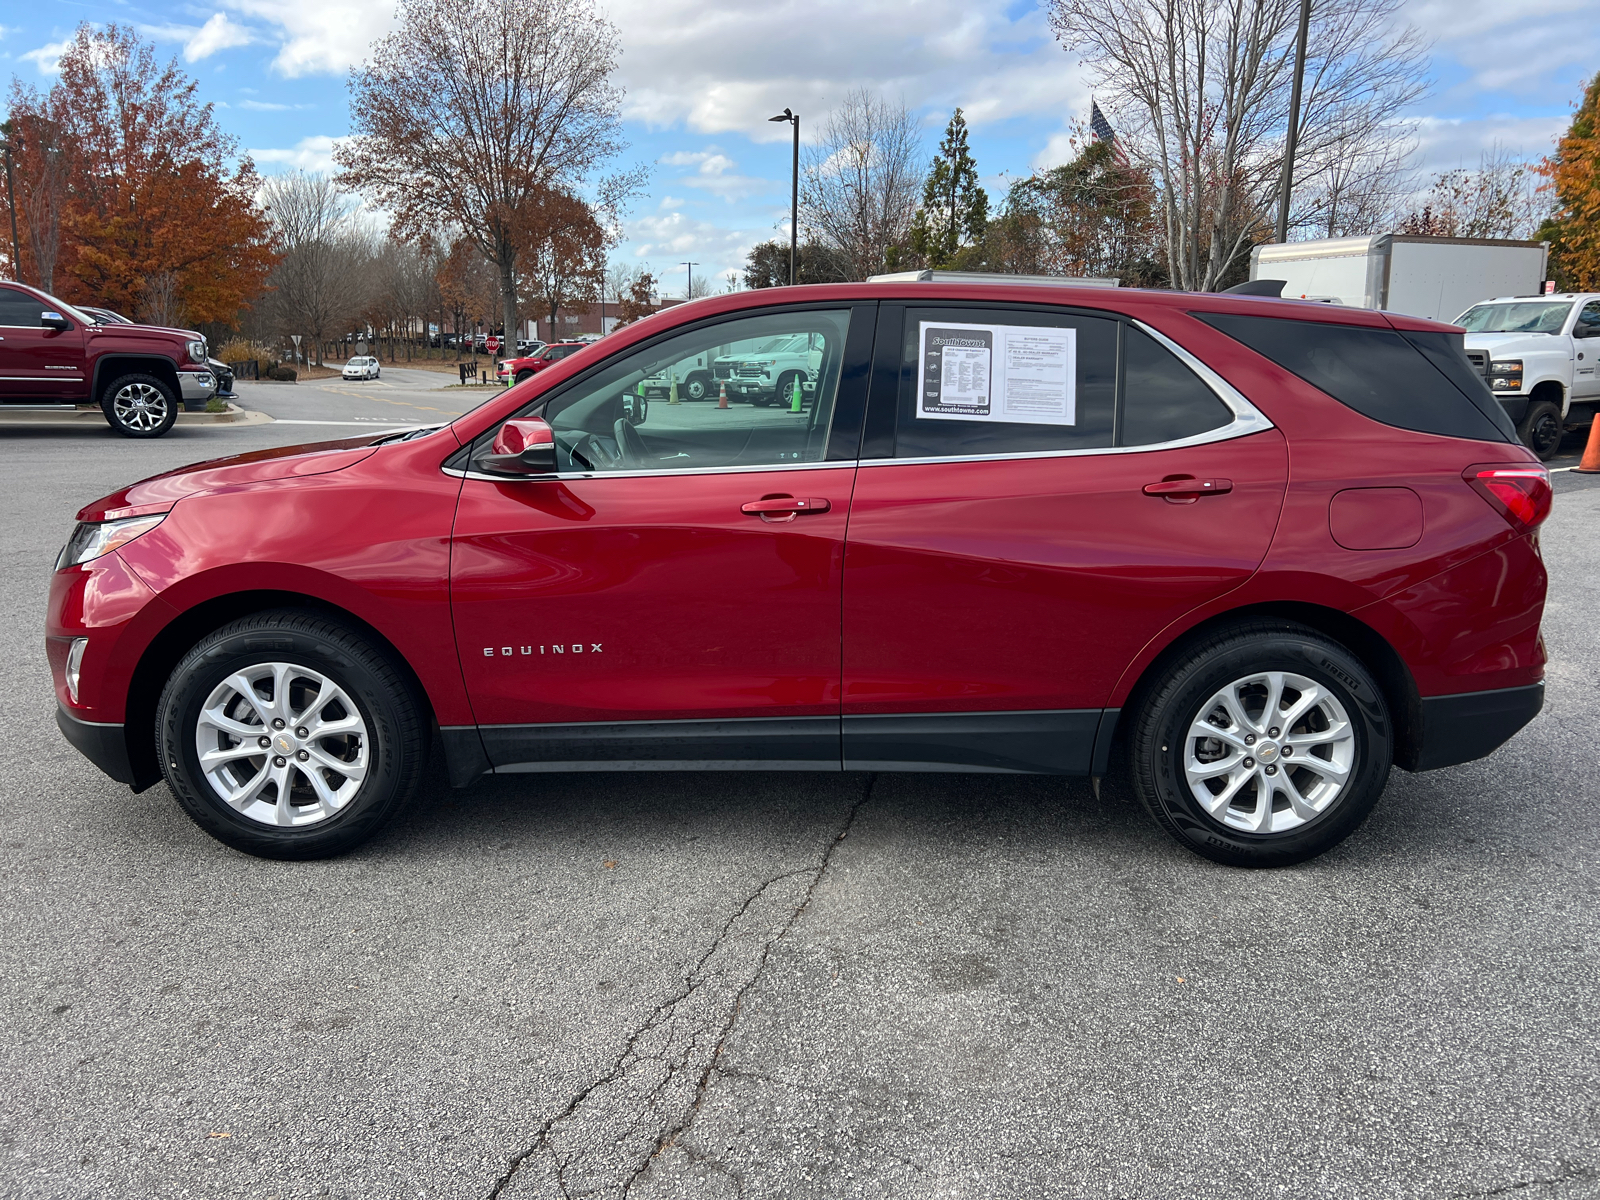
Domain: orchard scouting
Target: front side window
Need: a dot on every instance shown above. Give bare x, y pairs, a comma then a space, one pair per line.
766, 389
20, 308
1588, 322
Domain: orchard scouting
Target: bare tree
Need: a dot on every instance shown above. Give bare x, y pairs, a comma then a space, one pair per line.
861, 185
471, 107
1359, 190
317, 288
1498, 200
1202, 87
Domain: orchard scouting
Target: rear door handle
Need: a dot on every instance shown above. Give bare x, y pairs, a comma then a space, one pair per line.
780, 508
1187, 490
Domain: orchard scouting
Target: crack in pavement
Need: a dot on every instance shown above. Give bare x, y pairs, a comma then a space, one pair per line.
610, 1132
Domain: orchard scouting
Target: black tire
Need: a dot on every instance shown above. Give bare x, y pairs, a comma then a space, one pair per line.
139, 406
783, 394
523, 376
1159, 745
390, 713
1540, 429
697, 386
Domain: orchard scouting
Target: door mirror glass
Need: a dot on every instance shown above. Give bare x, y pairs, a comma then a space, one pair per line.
522, 446
54, 320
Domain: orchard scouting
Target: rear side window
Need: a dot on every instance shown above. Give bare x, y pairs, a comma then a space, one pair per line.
1163, 400
1004, 381
1374, 371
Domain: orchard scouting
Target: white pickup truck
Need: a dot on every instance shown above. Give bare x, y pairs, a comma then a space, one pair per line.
1539, 355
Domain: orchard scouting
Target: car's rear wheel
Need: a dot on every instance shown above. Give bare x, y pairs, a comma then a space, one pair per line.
287, 735
697, 386
139, 406
1263, 746
1540, 429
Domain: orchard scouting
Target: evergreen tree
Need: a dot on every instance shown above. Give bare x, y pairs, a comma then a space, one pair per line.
955, 210
1574, 174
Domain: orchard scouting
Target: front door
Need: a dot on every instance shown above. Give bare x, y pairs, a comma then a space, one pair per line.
665, 596
1023, 526
1586, 353
44, 366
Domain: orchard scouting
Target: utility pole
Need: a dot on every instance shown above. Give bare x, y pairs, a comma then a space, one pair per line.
11, 195
1287, 184
688, 287
794, 197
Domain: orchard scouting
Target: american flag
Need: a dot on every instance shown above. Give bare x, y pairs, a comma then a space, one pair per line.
1102, 131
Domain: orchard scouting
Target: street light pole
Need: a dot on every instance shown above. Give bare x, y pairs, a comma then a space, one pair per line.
1294, 122
688, 287
794, 196
11, 195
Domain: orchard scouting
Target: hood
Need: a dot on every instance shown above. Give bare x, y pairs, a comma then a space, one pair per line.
160, 492
1494, 343
187, 335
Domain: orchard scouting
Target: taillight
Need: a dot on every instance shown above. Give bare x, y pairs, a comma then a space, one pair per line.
1520, 493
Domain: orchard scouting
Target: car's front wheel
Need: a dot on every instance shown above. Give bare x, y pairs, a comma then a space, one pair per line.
287, 735
1263, 746
140, 406
1540, 429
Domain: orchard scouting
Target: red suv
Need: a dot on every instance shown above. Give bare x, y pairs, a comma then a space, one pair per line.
519, 370
1258, 550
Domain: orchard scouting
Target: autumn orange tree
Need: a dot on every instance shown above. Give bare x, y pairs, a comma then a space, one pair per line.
143, 214
472, 108
564, 251
1574, 174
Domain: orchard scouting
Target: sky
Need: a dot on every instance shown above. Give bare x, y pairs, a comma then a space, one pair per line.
703, 76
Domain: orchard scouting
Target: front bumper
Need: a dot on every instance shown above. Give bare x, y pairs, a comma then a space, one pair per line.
197, 385
1458, 729
106, 746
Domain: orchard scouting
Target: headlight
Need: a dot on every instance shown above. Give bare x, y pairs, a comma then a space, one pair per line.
197, 352
91, 541
1505, 375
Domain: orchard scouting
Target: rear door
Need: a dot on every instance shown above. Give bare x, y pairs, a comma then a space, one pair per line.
1041, 492
37, 364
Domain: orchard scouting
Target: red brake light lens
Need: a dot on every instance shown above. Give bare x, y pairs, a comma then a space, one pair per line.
1521, 493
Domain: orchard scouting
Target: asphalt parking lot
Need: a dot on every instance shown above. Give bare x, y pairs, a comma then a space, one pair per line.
783, 985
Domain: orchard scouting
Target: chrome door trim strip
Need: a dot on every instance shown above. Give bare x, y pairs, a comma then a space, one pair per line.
559, 476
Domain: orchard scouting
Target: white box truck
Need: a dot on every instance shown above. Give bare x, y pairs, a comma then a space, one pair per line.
1433, 277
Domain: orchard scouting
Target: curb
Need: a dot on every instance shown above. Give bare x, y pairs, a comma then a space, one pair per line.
70, 417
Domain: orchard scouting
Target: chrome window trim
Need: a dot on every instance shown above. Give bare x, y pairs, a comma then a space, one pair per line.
559, 476
1247, 419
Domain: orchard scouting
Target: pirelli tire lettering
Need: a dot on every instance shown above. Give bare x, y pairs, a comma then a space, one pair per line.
519, 650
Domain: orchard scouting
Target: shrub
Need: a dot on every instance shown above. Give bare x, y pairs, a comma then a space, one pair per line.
281, 374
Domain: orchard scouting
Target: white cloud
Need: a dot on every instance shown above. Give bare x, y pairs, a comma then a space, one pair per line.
1511, 47
1444, 143
666, 241
715, 174
313, 153
321, 36
47, 57
218, 33
268, 106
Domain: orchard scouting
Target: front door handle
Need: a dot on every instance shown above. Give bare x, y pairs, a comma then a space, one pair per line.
784, 508
1186, 489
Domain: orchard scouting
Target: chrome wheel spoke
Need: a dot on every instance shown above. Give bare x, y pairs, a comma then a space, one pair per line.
1298, 804
247, 792
212, 759
1336, 732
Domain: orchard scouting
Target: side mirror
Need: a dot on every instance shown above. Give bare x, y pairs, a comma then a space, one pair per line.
54, 320
522, 446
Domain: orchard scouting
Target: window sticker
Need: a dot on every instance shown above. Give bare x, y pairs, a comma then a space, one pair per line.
1019, 374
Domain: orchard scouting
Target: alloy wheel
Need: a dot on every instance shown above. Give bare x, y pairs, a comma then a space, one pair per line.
282, 744
139, 406
1269, 752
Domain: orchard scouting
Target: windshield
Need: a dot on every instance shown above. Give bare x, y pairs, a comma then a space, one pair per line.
1521, 317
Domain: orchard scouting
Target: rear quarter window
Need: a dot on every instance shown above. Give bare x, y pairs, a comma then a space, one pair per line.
1377, 372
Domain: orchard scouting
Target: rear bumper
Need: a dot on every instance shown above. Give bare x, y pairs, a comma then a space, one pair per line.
1458, 729
106, 746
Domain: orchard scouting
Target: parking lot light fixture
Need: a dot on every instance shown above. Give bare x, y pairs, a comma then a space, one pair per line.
794, 194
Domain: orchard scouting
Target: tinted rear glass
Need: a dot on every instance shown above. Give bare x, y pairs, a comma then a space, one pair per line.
1377, 372
1163, 400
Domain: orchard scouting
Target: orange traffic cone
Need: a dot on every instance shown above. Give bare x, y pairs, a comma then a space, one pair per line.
1591, 453
722, 396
